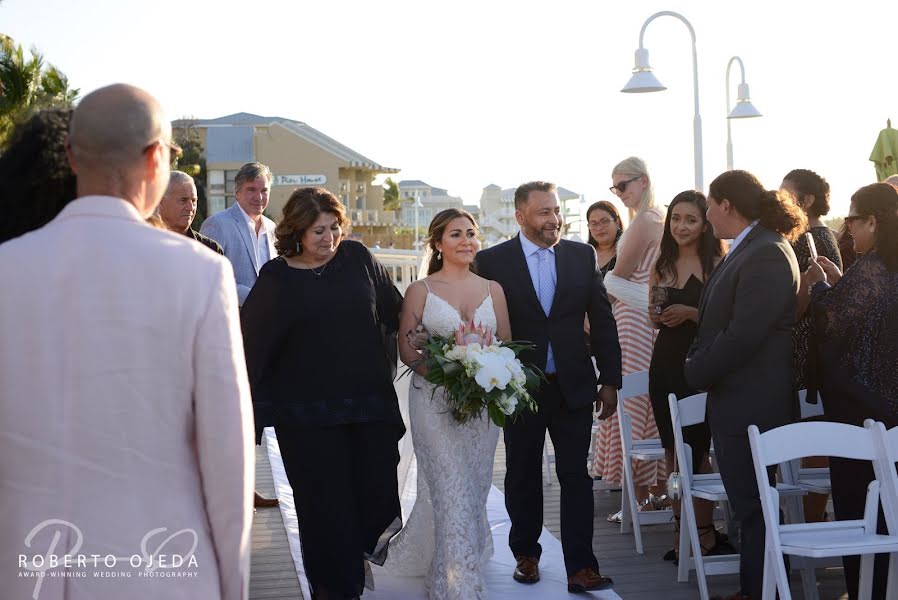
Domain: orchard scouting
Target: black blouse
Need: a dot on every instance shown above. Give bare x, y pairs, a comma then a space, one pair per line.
315, 343
827, 246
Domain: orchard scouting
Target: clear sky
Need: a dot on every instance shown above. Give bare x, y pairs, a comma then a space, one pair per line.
466, 93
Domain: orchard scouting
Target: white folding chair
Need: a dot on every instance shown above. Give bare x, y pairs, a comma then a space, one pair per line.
886, 443
706, 486
815, 480
636, 384
815, 540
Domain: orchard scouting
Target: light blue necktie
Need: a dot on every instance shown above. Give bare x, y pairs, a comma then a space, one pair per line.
546, 293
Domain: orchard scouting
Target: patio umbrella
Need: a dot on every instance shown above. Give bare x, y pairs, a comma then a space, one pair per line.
885, 152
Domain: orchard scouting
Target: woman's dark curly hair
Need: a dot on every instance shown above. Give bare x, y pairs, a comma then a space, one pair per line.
775, 210
710, 247
301, 211
36, 181
809, 183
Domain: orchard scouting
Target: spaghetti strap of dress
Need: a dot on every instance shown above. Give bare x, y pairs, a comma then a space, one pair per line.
489, 289
427, 285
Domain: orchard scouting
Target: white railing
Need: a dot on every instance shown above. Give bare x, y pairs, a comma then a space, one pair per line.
403, 265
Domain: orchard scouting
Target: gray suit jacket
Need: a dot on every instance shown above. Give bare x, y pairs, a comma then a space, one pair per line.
229, 229
742, 353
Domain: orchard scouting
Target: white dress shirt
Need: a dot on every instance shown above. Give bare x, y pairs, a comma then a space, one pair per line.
263, 254
740, 237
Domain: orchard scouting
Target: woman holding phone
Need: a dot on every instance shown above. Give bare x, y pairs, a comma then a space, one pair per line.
811, 193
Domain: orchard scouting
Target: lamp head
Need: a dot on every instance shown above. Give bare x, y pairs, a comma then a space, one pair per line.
643, 80
744, 109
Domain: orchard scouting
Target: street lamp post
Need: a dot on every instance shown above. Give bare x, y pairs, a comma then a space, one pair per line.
643, 80
744, 109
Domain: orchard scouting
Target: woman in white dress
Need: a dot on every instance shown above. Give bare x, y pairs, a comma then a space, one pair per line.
447, 536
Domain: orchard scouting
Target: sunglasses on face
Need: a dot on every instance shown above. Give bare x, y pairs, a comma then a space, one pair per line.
174, 149
621, 187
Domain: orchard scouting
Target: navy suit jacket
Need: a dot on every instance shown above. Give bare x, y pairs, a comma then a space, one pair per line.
579, 292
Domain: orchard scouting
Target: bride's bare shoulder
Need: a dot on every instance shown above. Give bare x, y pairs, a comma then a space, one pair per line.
417, 290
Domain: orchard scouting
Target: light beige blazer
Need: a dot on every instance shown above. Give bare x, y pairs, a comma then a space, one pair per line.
125, 412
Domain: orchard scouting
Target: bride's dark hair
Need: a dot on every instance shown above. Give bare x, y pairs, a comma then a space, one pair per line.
435, 234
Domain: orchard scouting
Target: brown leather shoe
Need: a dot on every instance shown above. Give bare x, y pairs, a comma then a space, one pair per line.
588, 580
260, 502
736, 596
527, 569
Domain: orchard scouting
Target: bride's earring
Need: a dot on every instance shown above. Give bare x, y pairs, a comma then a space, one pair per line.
439, 255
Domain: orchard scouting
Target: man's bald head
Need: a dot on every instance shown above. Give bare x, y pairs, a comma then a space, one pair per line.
119, 142
116, 123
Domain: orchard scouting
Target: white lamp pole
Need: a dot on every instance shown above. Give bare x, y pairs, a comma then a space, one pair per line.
744, 109
417, 205
644, 81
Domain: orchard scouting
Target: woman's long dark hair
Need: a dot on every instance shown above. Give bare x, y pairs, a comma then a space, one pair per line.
775, 210
709, 246
435, 234
880, 200
611, 210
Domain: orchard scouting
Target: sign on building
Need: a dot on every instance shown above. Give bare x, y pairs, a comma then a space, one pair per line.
300, 180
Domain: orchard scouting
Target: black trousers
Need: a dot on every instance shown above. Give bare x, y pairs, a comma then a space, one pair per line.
346, 493
850, 479
738, 474
524, 439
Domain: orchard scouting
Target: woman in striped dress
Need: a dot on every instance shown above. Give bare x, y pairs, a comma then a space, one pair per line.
628, 284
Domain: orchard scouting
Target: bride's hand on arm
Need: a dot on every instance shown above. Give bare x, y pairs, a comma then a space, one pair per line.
409, 319
500, 307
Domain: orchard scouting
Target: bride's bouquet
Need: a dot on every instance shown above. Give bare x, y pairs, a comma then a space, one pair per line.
481, 373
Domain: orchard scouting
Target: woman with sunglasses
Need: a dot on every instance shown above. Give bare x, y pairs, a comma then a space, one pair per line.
637, 251
856, 317
605, 229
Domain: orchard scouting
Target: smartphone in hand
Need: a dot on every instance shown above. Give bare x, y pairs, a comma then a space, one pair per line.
811, 245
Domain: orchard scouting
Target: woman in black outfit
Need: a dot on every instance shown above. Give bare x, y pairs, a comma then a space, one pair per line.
688, 253
811, 193
857, 327
318, 333
605, 229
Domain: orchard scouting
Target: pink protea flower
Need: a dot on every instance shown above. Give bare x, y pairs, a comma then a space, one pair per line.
468, 333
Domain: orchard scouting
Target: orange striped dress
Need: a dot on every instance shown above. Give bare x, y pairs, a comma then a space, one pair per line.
637, 339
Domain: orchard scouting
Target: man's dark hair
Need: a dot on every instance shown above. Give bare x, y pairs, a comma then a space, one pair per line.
522, 194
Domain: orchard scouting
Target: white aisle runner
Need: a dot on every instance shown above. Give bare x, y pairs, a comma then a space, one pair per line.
553, 582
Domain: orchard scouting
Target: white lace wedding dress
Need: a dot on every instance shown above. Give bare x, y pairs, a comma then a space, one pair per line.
447, 536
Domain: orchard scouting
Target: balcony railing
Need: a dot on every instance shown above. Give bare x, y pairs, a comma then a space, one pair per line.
403, 265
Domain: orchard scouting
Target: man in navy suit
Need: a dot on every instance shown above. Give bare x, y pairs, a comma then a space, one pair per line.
247, 238
551, 285
245, 234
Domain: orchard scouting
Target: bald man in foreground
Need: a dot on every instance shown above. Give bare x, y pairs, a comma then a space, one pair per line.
126, 442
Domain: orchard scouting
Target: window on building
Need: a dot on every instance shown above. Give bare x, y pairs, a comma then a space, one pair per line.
229, 187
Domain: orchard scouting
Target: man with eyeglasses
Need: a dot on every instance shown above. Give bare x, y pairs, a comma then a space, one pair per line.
125, 412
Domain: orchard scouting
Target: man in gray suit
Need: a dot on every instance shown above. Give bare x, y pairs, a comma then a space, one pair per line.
247, 238
742, 353
245, 234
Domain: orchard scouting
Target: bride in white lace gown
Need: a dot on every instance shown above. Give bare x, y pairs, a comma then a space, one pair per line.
447, 536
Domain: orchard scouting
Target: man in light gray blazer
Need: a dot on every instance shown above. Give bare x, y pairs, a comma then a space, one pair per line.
245, 234
247, 238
